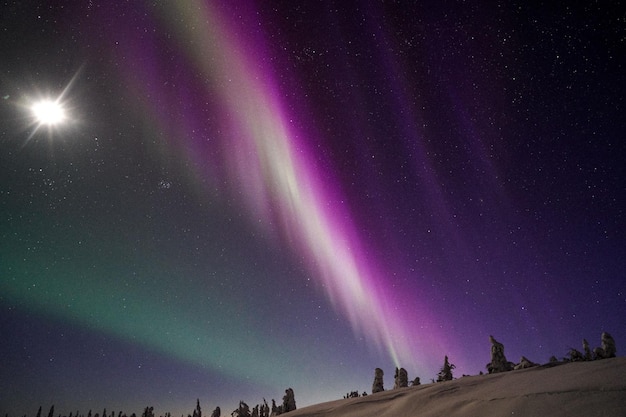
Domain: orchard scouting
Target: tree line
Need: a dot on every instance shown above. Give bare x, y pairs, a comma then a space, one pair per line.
498, 363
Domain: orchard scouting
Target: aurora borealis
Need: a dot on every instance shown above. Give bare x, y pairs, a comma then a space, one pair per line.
250, 196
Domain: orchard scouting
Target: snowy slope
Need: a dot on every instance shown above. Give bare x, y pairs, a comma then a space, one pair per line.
581, 389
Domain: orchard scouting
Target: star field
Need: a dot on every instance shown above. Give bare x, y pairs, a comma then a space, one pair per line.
253, 196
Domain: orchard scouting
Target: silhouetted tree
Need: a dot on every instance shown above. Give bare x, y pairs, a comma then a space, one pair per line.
51, 412
217, 412
289, 401
401, 379
198, 411
607, 349
587, 350
445, 374
575, 355
265, 409
416, 381
39, 412
243, 410
524, 363
377, 385
498, 360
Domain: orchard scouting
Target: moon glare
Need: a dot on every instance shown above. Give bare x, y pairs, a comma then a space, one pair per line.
48, 112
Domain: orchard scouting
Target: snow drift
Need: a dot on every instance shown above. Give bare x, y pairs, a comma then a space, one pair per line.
577, 389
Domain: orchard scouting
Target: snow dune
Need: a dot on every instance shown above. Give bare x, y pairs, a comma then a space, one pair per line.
579, 389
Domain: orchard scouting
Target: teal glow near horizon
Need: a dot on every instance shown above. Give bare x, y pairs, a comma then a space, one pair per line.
100, 294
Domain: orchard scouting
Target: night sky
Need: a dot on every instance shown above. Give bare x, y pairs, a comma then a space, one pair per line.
247, 196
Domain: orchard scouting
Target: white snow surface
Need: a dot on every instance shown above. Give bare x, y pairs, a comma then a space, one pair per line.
578, 389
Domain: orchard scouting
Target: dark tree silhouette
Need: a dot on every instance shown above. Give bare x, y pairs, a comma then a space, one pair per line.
607, 349
265, 409
242, 411
401, 379
148, 412
498, 362
198, 411
445, 374
289, 401
587, 350
377, 385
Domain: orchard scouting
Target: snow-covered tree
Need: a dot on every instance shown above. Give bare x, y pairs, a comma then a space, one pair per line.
445, 374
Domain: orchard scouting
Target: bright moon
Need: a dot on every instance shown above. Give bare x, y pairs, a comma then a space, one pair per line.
48, 112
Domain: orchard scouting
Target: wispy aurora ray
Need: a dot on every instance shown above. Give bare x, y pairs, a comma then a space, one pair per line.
281, 182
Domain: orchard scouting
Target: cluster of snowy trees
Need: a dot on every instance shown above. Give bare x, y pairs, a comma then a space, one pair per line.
148, 412
263, 410
606, 350
401, 380
499, 363
243, 410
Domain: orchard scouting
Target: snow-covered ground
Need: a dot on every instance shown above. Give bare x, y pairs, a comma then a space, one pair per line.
580, 389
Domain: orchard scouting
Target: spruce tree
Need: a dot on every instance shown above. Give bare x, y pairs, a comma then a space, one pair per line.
446, 371
198, 411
